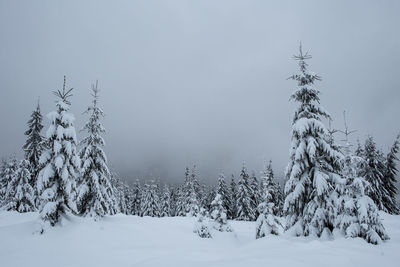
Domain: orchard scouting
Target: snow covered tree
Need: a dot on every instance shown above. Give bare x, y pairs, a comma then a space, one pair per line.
60, 163
95, 192
218, 214
190, 194
267, 221
233, 193
137, 193
245, 211
166, 203
254, 193
34, 144
149, 203
201, 226
374, 171
180, 206
9, 167
358, 214
223, 190
20, 195
389, 178
311, 172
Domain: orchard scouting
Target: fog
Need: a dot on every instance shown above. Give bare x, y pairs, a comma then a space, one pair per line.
199, 82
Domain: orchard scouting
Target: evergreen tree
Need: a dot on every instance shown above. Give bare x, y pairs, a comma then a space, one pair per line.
218, 214
223, 190
190, 194
233, 193
21, 196
311, 172
254, 193
374, 169
201, 226
166, 203
150, 200
269, 189
95, 192
389, 178
137, 193
60, 163
9, 167
358, 214
180, 207
34, 144
245, 211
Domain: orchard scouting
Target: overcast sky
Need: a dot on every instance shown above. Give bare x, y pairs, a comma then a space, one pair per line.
202, 82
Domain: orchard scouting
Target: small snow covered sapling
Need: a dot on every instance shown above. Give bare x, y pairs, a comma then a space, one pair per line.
201, 226
218, 214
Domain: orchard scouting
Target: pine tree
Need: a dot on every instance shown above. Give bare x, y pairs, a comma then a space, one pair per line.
267, 221
223, 190
358, 214
150, 200
95, 193
201, 226
9, 167
233, 193
21, 196
166, 203
311, 172
374, 169
245, 210
389, 178
137, 193
60, 163
218, 214
34, 144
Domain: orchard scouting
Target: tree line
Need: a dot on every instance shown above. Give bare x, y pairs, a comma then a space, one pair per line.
329, 187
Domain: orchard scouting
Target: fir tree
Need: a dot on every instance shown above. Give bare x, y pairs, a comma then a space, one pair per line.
137, 193
245, 210
34, 144
233, 193
9, 167
150, 200
180, 207
190, 194
21, 196
254, 193
223, 190
358, 214
201, 226
95, 193
267, 222
374, 175
166, 203
218, 214
311, 172
60, 163
389, 178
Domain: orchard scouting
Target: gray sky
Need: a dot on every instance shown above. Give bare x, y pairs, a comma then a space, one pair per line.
200, 82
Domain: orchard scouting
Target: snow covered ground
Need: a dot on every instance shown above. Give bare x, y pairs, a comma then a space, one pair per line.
133, 241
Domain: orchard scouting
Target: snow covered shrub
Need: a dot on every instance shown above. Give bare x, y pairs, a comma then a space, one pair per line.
201, 226
218, 215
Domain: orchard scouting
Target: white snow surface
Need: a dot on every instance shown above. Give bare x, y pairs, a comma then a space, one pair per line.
122, 240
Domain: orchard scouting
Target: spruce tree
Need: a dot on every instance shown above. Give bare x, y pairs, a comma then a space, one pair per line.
311, 172
150, 200
180, 206
223, 190
374, 174
389, 178
60, 163
95, 192
21, 195
218, 215
166, 203
201, 226
245, 211
233, 194
137, 193
9, 167
254, 192
358, 215
34, 144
